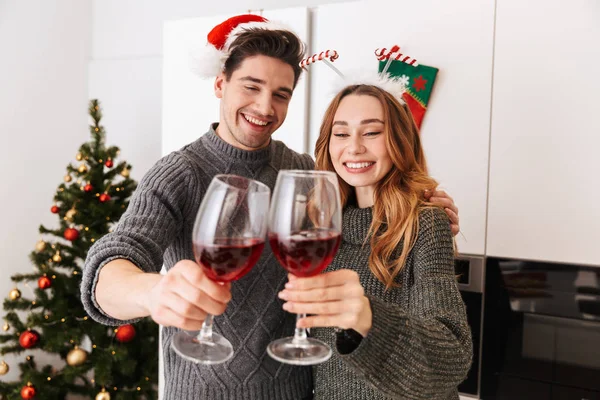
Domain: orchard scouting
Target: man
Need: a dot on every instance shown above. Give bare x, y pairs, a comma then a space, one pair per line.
121, 280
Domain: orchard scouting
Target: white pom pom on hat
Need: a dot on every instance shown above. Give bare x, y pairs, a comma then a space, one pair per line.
208, 62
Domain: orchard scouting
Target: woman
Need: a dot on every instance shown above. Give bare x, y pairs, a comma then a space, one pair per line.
391, 288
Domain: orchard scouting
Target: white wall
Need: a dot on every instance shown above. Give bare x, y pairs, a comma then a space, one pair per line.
43, 120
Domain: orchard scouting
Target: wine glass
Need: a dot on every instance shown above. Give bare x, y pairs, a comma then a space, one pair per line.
305, 225
228, 238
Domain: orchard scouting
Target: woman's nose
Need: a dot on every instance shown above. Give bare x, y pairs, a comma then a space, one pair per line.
355, 146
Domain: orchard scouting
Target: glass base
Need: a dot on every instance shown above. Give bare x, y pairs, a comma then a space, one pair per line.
307, 351
199, 351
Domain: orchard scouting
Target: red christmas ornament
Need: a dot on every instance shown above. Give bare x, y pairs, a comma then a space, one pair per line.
29, 339
88, 188
109, 163
104, 197
71, 234
54, 210
44, 282
28, 392
125, 333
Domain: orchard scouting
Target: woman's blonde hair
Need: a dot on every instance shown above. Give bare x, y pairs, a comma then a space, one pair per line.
398, 195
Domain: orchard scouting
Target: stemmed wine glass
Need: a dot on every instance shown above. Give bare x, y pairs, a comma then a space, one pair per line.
228, 238
305, 225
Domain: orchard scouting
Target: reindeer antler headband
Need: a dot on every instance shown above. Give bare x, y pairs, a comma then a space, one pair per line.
395, 86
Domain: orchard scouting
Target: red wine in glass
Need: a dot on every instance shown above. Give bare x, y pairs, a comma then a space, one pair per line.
305, 253
228, 238
228, 259
305, 224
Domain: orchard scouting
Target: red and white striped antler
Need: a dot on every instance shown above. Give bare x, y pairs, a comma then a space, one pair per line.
394, 54
331, 54
327, 56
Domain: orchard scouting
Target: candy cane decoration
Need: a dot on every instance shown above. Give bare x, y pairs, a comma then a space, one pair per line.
332, 55
404, 58
382, 53
394, 54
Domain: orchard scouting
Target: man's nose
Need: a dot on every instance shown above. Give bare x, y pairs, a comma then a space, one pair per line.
264, 105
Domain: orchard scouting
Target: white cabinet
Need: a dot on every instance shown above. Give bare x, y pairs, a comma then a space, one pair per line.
544, 197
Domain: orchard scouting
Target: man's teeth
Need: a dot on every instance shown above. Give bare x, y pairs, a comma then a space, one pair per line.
255, 121
359, 165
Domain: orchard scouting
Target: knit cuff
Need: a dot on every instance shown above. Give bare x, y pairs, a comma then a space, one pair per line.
96, 312
101, 254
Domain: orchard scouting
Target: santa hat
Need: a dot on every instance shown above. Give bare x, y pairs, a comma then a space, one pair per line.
209, 61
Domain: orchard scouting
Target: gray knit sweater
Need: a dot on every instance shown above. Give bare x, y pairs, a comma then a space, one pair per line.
419, 346
156, 229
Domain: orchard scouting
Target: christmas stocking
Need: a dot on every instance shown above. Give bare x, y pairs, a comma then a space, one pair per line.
419, 81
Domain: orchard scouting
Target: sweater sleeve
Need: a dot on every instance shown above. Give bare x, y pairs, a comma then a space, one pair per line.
423, 352
145, 230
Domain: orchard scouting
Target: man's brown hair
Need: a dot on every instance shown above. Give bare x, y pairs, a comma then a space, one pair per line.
280, 44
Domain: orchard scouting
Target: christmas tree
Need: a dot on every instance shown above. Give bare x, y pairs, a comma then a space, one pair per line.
98, 362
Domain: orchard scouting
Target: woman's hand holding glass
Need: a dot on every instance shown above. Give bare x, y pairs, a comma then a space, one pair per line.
305, 226
335, 299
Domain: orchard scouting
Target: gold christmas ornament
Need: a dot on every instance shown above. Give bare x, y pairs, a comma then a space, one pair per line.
14, 294
4, 368
5, 327
68, 178
103, 395
125, 173
56, 257
40, 246
82, 169
70, 214
79, 157
76, 357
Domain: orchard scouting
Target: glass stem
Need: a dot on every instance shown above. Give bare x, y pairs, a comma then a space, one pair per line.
300, 333
205, 334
